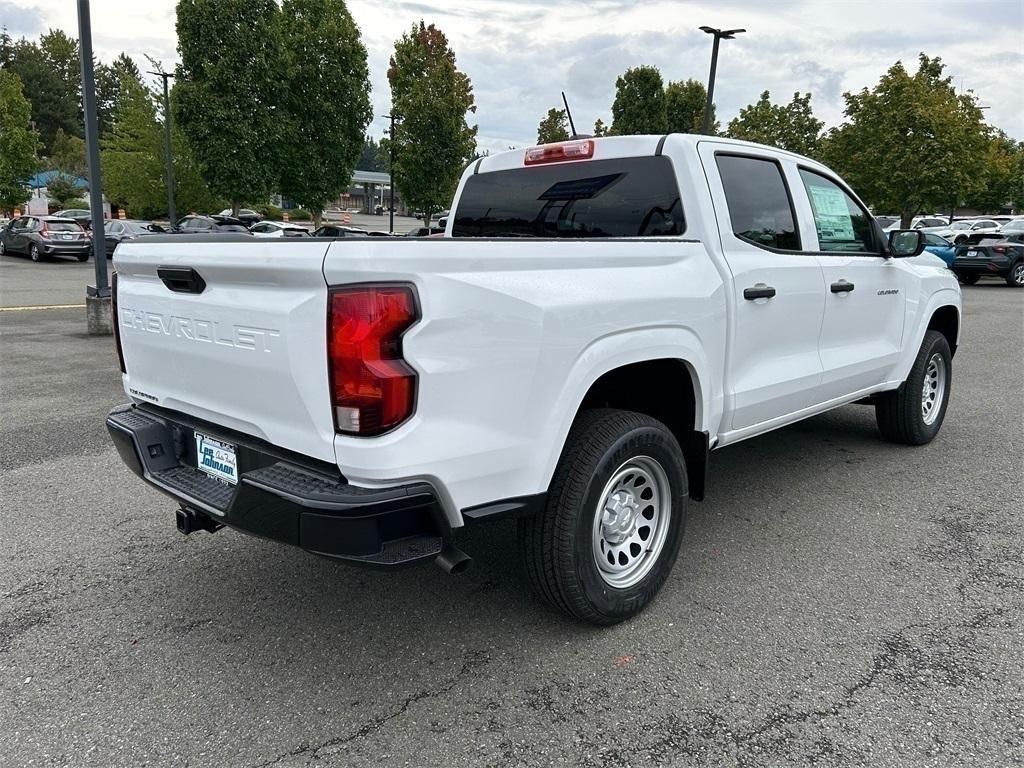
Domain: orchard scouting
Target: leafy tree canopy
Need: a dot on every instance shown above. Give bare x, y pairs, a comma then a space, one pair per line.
639, 106
600, 129
791, 126
554, 127
685, 101
18, 142
228, 88
326, 104
49, 84
433, 142
911, 143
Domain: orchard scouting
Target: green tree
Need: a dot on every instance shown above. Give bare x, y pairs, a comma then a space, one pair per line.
228, 93
639, 106
53, 102
1003, 182
554, 127
133, 160
791, 126
433, 142
68, 154
373, 157
911, 143
323, 136
110, 83
685, 101
600, 129
62, 190
19, 143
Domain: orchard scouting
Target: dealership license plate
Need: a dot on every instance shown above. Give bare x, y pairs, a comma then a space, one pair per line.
216, 458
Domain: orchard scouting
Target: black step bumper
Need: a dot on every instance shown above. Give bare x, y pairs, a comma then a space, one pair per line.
281, 496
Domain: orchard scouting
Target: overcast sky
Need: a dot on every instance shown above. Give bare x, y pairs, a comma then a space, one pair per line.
521, 53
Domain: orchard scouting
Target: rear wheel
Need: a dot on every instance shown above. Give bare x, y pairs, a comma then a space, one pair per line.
968, 279
609, 534
913, 413
34, 253
3, 248
1015, 276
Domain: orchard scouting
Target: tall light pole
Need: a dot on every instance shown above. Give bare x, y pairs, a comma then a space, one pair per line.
720, 34
168, 159
97, 299
394, 117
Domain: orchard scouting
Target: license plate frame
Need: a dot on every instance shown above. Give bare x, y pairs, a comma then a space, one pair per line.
217, 458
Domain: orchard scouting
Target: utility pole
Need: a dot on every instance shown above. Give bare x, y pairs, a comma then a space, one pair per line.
720, 34
97, 298
168, 158
394, 117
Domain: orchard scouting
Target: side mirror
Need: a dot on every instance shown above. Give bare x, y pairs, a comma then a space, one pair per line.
906, 242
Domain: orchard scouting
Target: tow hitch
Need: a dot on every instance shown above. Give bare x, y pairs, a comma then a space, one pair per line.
191, 520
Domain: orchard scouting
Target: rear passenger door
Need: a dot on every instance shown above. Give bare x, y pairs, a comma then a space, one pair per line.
778, 291
866, 293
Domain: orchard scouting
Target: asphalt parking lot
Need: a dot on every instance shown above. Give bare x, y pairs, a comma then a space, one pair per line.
838, 601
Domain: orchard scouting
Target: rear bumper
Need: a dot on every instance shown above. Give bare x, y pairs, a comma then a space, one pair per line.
66, 248
281, 497
997, 266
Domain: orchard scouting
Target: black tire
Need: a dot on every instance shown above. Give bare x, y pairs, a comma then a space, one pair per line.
968, 279
1015, 277
83, 257
558, 544
900, 414
34, 254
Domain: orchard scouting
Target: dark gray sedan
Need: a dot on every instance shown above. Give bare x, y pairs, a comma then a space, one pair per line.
119, 230
40, 237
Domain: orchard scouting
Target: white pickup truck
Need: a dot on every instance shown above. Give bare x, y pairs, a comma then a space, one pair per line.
599, 316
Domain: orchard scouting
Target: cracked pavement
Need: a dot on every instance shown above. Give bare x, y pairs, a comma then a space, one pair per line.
838, 601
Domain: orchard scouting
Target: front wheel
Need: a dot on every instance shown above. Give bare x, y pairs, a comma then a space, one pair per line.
1015, 277
83, 257
609, 534
913, 413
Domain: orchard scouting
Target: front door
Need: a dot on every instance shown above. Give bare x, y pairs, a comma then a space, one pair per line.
773, 367
866, 293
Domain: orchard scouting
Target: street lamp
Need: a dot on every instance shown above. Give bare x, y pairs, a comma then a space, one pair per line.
171, 213
394, 117
720, 34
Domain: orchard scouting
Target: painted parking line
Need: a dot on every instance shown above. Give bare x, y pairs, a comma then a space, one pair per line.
42, 306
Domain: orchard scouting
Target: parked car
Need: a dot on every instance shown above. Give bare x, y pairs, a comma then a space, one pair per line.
424, 231
82, 215
919, 222
117, 231
246, 215
941, 247
959, 230
337, 230
1014, 226
197, 225
568, 354
333, 214
887, 220
278, 229
992, 257
39, 237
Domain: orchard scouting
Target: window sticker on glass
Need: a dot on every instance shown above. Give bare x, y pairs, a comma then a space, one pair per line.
831, 215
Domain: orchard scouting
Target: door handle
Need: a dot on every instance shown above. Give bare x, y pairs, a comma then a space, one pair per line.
841, 286
181, 279
759, 291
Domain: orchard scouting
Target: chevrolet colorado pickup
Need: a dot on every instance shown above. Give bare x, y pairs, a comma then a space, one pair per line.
600, 315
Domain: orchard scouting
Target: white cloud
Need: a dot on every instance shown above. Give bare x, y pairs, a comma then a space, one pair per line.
521, 53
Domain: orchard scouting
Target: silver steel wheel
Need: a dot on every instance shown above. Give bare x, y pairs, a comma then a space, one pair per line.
934, 388
1018, 274
631, 521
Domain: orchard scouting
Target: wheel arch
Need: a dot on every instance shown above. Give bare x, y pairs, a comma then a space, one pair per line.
946, 320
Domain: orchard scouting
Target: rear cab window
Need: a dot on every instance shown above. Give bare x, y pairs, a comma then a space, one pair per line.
64, 226
760, 208
623, 197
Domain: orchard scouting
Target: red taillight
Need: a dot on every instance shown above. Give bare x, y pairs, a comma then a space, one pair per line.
116, 321
999, 249
558, 153
372, 388
43, 231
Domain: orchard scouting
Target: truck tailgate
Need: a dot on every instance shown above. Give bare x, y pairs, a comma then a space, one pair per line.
247, 351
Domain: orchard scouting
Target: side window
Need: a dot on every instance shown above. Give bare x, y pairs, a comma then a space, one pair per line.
759, 204
841, 223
